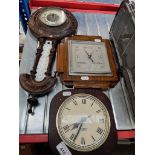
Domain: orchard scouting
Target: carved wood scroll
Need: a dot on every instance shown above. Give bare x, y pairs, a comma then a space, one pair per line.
45, 24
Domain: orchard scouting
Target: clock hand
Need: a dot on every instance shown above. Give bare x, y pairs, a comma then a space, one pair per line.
76, 125
83, 120
78, 132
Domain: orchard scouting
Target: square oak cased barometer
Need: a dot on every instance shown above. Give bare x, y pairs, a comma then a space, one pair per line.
86, 62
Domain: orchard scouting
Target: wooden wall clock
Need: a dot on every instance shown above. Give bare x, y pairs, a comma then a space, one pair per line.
81, 122
87, 62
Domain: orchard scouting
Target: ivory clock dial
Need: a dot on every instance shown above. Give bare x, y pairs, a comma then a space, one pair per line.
88, 57
83, 122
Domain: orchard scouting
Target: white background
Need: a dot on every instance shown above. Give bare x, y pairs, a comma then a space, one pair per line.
145, 77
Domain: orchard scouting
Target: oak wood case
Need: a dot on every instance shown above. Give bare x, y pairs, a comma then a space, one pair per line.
104, 81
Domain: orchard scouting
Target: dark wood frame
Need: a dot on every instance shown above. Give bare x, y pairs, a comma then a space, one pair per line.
103, 82
54, 138
44, 32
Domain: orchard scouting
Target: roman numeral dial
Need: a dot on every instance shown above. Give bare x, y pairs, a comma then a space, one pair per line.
82, 141
99, 130
83, 122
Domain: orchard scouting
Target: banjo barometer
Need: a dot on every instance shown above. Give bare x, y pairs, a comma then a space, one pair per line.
49, 25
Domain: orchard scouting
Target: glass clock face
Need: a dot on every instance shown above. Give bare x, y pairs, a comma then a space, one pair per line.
53, 17
88, 57
83, 122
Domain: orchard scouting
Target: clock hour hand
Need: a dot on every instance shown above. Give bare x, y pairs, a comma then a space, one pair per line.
76, 125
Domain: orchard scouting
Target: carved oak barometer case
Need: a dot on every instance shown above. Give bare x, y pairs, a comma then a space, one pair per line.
49, 25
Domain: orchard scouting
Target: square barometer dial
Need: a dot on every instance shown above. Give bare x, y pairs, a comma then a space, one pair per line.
87, 62
88, 57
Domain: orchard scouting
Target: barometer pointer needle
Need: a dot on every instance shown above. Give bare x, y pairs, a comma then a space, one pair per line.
89, 56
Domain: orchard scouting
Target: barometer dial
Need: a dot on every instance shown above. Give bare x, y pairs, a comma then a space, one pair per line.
53, 17
88, 57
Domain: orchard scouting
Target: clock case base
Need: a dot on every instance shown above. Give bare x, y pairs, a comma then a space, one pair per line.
54, 138
103, 81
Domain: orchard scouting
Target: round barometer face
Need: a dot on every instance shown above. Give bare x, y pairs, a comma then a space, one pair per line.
53, 17
83, 122
52, 22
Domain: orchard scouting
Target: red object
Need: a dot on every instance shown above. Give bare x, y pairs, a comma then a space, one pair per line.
43, 138
76, 6
33, 138
126, 134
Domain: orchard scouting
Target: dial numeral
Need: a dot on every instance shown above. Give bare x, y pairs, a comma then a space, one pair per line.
92, 103
66, 128
72, 136
98, 111
84, 101
101, 120
82, 141
99, 130
93, 138
75, 102
68, 109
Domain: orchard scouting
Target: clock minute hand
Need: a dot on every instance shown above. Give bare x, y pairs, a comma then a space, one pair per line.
78, 131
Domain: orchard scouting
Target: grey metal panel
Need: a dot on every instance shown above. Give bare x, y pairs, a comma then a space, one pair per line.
90, 24
102, 26
82, 29
94, 24
123, 35
120, 104
25, 66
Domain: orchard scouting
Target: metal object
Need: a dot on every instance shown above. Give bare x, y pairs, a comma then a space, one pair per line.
24, 13
79, 6
122, 33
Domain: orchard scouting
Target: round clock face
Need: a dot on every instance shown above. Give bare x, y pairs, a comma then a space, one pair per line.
83, 122
53, 17
88, 57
